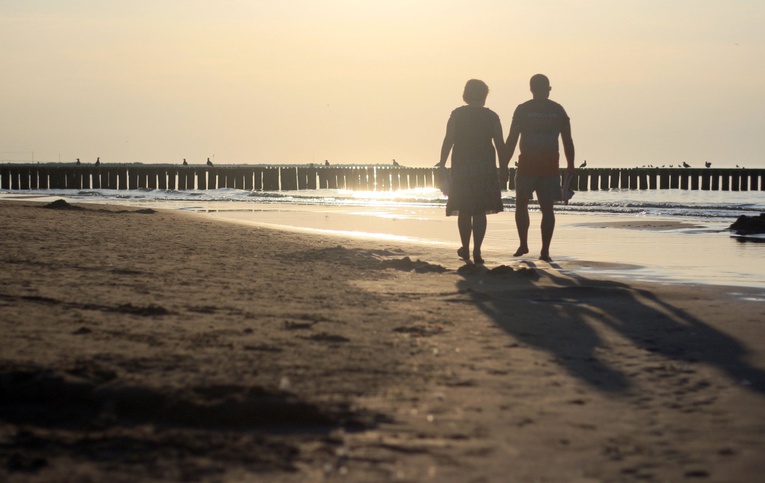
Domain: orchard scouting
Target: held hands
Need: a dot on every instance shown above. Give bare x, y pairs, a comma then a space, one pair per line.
504, 175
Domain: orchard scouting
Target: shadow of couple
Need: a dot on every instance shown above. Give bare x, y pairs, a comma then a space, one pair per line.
606, 333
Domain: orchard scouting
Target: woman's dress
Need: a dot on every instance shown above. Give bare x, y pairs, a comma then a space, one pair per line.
474, 182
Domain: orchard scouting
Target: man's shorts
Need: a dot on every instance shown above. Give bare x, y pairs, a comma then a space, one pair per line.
547, 188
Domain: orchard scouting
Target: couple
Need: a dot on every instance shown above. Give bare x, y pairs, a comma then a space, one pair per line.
475, 190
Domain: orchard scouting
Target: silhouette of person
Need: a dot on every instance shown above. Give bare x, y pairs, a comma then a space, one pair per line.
538, 123
474, 190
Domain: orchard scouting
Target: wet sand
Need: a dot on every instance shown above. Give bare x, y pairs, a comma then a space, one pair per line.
151, 345
655, 249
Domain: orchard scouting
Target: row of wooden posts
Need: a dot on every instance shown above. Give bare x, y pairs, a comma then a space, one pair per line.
378, 178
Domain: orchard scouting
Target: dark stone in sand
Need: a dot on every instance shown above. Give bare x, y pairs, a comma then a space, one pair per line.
61, 205
749, 225
407, 264
470, 269
501, 270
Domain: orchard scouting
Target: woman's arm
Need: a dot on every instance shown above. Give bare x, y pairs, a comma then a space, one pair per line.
446, 147
499, 144
502, 154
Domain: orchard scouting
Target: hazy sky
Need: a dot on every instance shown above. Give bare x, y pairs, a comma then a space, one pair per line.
366, 81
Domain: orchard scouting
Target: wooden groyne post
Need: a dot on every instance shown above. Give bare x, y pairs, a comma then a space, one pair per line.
362, 177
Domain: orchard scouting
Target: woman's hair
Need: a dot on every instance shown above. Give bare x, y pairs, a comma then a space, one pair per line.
475, 91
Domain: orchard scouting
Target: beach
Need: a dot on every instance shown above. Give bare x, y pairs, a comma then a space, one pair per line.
658, 248
149, 344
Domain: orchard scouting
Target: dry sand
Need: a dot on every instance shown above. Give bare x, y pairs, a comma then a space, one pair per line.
142, 345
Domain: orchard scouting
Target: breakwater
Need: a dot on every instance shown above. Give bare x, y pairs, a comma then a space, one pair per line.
363, 177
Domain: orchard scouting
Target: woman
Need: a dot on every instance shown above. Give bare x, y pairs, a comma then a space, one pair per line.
474, 191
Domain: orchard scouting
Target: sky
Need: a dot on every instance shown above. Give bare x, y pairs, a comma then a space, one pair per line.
644, 82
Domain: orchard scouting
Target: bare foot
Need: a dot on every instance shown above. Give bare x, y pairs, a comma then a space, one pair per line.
463, 254
522, 250
545, 257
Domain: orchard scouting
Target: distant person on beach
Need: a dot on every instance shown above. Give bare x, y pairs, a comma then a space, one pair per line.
474, 189
538, 122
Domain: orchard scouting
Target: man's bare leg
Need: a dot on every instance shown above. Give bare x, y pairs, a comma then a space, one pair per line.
548, 227
522, 224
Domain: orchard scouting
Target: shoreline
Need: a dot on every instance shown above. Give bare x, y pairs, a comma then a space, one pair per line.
153, 345
651, 248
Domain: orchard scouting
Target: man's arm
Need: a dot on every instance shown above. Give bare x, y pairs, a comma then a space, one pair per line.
512, 141
568, 147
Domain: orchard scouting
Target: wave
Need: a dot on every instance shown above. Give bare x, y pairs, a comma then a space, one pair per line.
673, 203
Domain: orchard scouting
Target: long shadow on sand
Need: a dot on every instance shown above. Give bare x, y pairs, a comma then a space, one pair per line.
143, 433
565, 319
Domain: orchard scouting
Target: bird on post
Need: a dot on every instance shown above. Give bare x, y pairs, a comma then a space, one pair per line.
395, 163
209, 163
707, 164
184, 162
583, 165
78, 162
98, 161
686, 165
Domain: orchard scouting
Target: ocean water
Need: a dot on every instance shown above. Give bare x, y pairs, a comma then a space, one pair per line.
674, 236
674, 203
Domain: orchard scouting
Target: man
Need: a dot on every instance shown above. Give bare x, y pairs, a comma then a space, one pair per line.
538, 123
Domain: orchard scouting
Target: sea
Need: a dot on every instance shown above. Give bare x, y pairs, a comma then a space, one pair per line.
670, 235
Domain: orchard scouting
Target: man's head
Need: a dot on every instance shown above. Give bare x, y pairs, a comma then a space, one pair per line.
540, 86
475, 92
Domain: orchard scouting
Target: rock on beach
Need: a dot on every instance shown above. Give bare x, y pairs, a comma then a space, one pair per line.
749, 225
